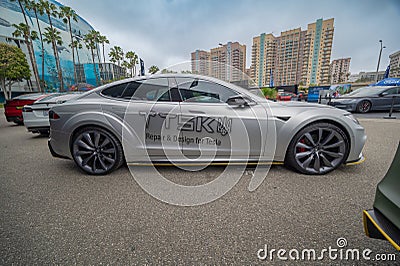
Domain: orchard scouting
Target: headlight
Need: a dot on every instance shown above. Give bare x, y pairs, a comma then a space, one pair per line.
352, 117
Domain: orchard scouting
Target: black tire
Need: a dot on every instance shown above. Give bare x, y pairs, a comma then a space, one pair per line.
364, 106
96, 151
317, 149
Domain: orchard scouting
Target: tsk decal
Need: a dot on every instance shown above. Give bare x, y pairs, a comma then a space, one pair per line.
221, 125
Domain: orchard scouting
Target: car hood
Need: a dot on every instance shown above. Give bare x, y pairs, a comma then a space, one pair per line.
294, 108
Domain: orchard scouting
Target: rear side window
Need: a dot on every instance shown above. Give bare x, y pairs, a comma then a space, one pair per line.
114, 91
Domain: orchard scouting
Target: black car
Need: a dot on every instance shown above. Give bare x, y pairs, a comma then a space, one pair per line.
370, 98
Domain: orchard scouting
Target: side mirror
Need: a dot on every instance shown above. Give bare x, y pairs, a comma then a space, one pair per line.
384, 94
237, 100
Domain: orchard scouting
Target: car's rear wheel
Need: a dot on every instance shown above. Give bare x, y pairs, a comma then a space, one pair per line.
318, 149
364, 106
96, 151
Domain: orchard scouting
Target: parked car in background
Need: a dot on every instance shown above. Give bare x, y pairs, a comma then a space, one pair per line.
370, 98
36, 115
13, 107
161, 116
302, 96
383, 221
285, 96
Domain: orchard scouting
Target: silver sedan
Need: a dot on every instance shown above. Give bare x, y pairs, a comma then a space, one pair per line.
182, 118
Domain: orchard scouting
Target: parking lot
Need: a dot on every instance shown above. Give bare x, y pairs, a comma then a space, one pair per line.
51, 213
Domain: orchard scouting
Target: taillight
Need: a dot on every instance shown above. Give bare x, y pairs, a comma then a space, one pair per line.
53, 115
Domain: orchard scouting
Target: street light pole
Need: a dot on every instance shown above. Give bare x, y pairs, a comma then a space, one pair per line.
379, 60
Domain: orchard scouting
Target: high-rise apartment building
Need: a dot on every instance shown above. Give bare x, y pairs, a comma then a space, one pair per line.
394, 65
226, 62
339, 70
200, 62
295, 56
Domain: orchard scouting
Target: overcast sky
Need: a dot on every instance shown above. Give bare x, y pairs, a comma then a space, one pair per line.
165, 32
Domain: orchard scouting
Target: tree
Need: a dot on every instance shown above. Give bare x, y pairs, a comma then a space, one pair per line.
22, 30
153, 69
132, 61
90, 40
37, 8
67, 13
103, 40
51, 10
116, 54
53, 36
77, 45
13, 67
30, 49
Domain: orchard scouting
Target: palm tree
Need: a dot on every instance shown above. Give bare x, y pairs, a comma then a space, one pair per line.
34, 65
77, 45
67, 13
127, 66
116, 54
90, 40
133, 60
103, 40
53, 36
51, 10
36, 8
28, 35
153, 69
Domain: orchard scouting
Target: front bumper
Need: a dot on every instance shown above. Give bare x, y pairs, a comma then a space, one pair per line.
376, 225
350, 107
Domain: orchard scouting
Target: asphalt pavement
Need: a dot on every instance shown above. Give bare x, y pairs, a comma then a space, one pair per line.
51, 213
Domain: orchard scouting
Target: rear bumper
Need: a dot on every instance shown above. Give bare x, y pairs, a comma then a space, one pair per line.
38, 129
53, 153
15, 119
376, 225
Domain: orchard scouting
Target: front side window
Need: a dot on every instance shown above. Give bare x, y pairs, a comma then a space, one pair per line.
202, 91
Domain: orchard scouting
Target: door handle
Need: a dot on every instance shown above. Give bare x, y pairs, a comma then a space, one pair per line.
197, 112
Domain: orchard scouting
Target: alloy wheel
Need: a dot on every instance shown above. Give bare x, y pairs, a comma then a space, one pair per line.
94, 151
320, 150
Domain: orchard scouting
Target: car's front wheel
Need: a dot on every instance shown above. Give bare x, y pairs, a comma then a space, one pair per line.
96, 151
318, 149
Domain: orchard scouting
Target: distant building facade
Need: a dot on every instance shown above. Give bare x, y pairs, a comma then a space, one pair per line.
111, 71
226, 62
11, 14
339, 70
370, 76
295, 56
394, 65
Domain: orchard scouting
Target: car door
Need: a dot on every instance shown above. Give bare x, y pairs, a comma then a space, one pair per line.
148, 108
385, 99
213, 130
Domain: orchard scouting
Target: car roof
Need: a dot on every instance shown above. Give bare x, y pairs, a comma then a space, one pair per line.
175, 75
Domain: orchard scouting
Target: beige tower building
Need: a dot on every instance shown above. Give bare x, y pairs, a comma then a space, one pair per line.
294, 57
317, 52
200, 61
263, 58
394, 65
226, 62
339, 70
